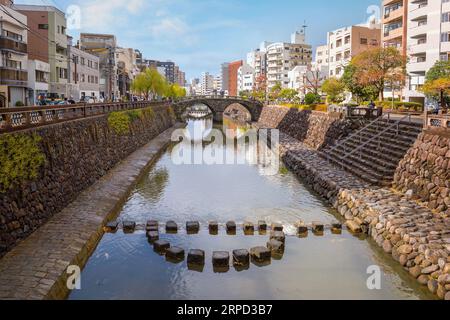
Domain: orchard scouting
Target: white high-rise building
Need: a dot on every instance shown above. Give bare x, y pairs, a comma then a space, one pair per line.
428, 40
282, 57
321, 58
217, 87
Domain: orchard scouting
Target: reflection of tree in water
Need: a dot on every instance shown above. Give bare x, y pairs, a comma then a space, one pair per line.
153, 187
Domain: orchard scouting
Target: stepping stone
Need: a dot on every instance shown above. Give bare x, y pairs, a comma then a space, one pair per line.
261, 254
213, 227
277, 227
129, 226
171, 227
153, 236
336, 228
278, 235
192, 227
275, 246
231, 227
301, 227
111, 226
318, 227
175, 253
196, 257
152, 226
241, 257
161, 246
249, 228
262, 225
353, 226
221, 258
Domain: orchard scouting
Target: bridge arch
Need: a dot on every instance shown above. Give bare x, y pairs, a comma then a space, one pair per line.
218, 105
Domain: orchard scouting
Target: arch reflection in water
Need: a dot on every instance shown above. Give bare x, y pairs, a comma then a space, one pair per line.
201, 144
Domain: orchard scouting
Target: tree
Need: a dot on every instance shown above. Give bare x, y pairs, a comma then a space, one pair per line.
311, 98
260, 88
362, 93
437, 83
313, 81
275, 91
150, 82
288, 94
334, 88
378, 67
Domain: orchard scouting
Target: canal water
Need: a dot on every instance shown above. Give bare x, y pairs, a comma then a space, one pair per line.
124, 266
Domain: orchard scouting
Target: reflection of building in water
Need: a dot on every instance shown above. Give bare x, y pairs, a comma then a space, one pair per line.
199, 110
238, 112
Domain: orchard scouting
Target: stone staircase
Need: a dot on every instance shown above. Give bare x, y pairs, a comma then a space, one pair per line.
374, 152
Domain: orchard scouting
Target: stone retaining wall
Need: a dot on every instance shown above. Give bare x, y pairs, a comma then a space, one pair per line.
314, 129
77, 153
424, 173
416, 237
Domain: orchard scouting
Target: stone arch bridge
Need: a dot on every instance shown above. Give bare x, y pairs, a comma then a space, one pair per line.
218, 105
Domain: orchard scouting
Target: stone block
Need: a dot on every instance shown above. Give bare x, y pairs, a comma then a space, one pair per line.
213, 227
249, 228
111, 226
161, 246
318, 227
353, 226
129, 226
336, 228
192, 227
260, 254
262, 226
152, 225
171, 227
241, 257
175, 253
301, 227
153, 236
196, 257
221, 259
275, 246
278, 235
231, 227
277, 227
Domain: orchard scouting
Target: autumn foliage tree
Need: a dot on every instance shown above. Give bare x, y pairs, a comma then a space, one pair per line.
379, 68
437, 83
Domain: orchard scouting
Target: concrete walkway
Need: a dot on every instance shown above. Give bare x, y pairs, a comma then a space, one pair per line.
36, 268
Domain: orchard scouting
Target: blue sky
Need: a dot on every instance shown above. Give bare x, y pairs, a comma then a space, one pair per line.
201, 34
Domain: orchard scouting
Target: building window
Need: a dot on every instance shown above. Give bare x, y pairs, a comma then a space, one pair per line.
363, 40
43, 26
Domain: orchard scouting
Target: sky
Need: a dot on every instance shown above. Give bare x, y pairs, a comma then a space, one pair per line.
199, 35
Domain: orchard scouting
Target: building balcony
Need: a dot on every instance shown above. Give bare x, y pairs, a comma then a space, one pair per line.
418, 31
13, 77
418, 49
445, 46
417, 67
393, 34
394, 15
420, 11
9, 44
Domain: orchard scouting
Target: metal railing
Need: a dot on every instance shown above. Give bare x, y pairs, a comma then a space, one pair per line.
377, 136
13, 119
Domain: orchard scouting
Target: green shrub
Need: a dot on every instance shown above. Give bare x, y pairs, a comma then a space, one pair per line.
148, 113
19, 104
134, 115
119, 122
312, 98
20, 158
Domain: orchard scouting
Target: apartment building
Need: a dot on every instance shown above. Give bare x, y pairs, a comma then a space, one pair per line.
257, 59
345, 43
169, 68
321, 58
428, 41
38, 80
85, 75
207, 84
282, 57
395, 24
233, 69
218, 84
127, 70
104, 46
225, 73
48, 42
246, 78
13, 56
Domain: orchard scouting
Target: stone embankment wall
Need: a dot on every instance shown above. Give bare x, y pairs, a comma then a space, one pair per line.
77, 154
424, 173
314, 129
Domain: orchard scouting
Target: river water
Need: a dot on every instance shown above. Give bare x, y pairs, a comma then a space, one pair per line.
124, 266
